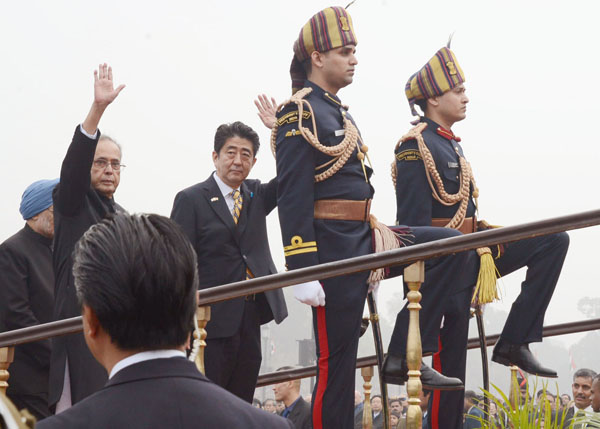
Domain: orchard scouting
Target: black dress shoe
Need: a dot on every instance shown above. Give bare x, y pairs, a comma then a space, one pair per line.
395, 371
508, 354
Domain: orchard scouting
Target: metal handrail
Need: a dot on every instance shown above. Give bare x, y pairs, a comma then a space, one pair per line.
473, 343
403, 256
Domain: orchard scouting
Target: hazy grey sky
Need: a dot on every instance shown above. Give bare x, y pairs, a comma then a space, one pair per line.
531, 74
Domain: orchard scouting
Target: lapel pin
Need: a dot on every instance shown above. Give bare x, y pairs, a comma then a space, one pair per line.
213, 199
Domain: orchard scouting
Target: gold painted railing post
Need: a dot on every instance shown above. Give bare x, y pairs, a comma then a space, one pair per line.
367, 374
7, 355
514, 396
414, 275
203, 315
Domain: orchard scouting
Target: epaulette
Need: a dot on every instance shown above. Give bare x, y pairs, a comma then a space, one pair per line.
340, 152
415, 133
412, 134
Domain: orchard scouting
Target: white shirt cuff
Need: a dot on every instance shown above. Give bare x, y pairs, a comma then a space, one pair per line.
85, 133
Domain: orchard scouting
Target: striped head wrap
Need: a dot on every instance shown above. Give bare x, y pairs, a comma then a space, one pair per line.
329, 29
439, 75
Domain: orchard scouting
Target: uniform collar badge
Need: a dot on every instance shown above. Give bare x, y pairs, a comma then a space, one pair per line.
447, 134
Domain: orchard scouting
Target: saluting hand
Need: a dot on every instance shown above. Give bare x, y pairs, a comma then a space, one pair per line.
267, 110
104, 91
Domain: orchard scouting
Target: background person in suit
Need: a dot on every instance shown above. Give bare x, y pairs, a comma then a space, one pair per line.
296, 408
89, 177
224, 217
136, 279
26, 295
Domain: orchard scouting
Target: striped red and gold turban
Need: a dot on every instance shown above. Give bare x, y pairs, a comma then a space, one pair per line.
439, 75
329, 29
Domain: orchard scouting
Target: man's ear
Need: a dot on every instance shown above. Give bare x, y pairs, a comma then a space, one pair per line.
91, 325
316, 59
215, 155
433, 101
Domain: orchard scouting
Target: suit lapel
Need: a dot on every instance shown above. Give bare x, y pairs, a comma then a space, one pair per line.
217, 202
247, 200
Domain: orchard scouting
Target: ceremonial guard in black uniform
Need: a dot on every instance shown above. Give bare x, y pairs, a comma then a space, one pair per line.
324, 196
435, 186
311, 183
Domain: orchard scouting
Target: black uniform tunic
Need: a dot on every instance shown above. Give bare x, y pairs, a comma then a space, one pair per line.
544, 257
77, 206
309, 241
26, 296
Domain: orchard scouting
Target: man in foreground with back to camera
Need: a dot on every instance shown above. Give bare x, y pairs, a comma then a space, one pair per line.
89, 177
136, 279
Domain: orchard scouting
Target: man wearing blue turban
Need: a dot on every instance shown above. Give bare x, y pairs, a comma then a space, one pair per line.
27, 294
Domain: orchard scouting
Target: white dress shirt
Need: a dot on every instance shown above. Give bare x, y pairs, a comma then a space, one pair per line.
226, 191
144, 356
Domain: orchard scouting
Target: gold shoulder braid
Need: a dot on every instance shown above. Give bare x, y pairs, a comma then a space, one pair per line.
384, 237
340, 152
486, 289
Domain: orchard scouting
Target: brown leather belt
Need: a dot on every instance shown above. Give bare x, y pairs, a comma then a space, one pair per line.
343, 210
468, 226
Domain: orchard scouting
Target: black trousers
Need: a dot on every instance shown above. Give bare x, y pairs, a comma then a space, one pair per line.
337, 329
37, 405
446, 295
444, 277
446, 407
544, 257
234, 362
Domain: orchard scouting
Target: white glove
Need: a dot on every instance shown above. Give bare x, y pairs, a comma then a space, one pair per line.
310, 293
373, 288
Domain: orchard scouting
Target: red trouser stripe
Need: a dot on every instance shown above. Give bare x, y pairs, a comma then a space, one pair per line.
435, 411
323, 368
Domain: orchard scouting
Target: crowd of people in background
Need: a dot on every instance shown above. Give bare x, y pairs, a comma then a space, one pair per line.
564, 409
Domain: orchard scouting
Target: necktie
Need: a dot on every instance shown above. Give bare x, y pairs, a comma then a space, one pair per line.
237, 205
237, 209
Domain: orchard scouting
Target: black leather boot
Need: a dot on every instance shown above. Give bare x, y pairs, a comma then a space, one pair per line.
508, 354
395, 371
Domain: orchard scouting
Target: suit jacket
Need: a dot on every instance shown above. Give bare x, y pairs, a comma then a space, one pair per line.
470, 422
301, 415
162, 393
225, 249
77, 206
26, 296
378, 421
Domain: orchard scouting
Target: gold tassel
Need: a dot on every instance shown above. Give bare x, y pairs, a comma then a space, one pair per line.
385, 239
486, 290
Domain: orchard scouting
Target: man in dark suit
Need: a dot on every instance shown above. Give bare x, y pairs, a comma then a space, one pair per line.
297, 410
473, 411
225, 219
26, 295
89, 177
136, 279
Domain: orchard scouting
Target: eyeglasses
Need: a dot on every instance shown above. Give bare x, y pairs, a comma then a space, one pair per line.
103, 163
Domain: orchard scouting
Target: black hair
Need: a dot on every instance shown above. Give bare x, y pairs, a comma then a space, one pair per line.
584, 373
376, 396
138, 274
307, 66
470, 394
235, 129
422, 105
395, 400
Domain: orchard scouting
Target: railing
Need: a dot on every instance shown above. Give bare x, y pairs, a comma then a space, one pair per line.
473, 343
403, 256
